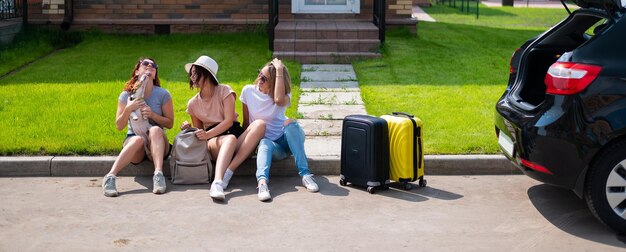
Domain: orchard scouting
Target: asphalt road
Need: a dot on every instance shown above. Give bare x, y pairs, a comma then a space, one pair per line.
453, 213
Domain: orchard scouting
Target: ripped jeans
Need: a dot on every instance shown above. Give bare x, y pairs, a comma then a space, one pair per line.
291, 142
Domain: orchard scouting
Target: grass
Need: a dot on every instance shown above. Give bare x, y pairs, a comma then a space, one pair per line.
65, 104
451, 74
499, 17
27, 46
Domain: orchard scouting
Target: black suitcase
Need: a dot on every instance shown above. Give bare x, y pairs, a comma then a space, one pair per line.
365, 152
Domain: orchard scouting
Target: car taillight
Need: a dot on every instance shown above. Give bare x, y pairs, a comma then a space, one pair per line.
512, 69
570, 78
535, 167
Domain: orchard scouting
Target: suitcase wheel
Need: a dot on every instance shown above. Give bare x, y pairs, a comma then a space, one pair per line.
343, 182
371, 189
422, 182
406, 186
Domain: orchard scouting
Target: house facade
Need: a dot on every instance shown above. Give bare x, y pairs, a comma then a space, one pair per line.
323, 22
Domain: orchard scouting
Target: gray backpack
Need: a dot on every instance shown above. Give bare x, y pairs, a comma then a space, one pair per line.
190, 162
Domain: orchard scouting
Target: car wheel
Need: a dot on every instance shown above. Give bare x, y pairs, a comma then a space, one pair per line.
606, 187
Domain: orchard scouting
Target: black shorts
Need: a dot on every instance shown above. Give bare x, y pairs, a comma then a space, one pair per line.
236, 130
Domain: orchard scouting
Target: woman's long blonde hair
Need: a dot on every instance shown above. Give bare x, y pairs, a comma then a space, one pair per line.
272, 79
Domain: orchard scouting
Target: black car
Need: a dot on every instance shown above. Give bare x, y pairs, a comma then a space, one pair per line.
562, 118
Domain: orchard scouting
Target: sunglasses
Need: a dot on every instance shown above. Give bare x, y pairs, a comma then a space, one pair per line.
262, 76
148, 63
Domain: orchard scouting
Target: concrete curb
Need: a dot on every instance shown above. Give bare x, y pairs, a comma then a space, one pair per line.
64, 166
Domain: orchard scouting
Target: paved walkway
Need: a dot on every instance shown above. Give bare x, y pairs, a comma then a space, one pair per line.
328, 94
421, 15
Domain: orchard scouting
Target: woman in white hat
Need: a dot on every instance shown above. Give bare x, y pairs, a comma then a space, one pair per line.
157, 107
213, 111
267, 101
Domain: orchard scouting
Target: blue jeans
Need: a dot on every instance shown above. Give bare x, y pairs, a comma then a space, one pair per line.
291, 142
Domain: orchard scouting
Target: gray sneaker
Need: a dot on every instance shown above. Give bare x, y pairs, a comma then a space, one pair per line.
309, 182
264, 193
108, 186
158, 183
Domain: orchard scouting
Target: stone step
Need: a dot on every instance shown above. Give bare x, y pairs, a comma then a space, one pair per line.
327, 45
316, 127
330, 164
308, 41
318, 146
328, 76
308, 29
327, 68
325, 164
329, 86
330, 112
325, 57
328, 98
337, 90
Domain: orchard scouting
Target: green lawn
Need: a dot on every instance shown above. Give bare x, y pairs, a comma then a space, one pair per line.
450, 75
500, 17
65, 104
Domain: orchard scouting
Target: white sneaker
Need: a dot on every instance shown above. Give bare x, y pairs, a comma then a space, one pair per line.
216, 191
264, 193
309, 182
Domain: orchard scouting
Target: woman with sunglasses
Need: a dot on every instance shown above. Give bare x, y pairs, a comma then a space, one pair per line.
268, 100
213, 111
158, 108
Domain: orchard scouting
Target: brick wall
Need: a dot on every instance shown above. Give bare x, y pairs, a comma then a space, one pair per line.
141, 16
195, 10
400, 7
41, 12
399, 13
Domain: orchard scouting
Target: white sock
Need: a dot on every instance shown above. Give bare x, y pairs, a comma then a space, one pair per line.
227, 176
157, 172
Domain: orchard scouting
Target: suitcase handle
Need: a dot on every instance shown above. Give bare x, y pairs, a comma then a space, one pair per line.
402, 113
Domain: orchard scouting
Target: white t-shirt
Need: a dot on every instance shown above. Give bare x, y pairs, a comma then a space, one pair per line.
261, 106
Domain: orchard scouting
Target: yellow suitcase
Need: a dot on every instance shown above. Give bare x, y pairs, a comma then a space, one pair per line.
406, 157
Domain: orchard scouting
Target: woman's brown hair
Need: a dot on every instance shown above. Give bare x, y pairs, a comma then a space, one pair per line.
133, 78
272, 79
201, 72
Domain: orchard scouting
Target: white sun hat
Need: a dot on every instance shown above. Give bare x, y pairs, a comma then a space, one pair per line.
205, 62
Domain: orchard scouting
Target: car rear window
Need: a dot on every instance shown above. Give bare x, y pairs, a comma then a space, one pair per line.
597, 28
